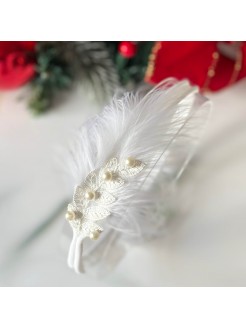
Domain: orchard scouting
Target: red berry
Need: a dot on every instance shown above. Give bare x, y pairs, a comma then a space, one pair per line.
127, 49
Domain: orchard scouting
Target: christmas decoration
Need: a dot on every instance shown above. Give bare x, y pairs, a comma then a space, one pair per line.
53, 74
127, 49
125, 157
50, 68
131, 67
60, 64
16, 63
93, 64
211, 65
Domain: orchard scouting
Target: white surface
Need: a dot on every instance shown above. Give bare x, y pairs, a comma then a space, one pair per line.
203, 247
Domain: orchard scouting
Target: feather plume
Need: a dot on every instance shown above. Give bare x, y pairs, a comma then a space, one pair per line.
123, 157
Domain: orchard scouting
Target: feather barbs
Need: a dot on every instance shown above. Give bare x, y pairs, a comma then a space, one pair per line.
124, 152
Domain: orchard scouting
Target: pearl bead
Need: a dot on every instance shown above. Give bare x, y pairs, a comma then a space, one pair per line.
70, 215
73, 215
95, 234
90, 195
107, 176
130, 161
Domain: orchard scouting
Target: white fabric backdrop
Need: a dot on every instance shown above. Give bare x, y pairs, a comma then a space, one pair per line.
203, 247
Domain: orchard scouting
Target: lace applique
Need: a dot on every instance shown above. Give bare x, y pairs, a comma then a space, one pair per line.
93, 198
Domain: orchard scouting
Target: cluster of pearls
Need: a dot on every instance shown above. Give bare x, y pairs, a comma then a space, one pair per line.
110, 174
130, 162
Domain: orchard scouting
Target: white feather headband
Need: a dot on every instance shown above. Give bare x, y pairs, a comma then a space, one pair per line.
122, 154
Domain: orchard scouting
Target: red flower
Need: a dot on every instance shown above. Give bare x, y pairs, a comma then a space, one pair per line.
17, 65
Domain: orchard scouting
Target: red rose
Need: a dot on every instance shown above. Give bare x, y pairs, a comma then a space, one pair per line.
16, 63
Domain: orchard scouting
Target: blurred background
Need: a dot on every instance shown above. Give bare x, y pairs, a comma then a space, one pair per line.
47, 91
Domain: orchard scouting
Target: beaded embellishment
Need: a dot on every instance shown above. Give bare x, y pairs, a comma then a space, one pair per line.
92, 199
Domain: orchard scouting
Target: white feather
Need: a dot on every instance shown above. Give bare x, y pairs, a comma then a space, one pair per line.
160, 129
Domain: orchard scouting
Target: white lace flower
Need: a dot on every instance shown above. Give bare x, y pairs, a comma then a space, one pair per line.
92, 199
